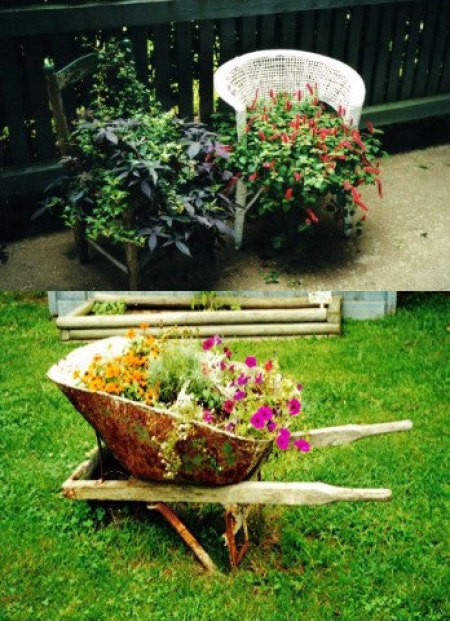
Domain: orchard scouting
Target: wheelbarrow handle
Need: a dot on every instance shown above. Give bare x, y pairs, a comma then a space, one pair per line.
345, 434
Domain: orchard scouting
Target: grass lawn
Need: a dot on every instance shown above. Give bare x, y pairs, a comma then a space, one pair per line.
374, 561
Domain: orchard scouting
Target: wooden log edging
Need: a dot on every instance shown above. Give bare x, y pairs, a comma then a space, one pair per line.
258, 317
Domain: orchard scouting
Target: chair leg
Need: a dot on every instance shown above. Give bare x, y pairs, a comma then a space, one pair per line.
239, 218
348, 222
79, 234
133, 265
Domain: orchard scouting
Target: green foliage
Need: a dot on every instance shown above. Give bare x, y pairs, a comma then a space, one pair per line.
64, 559
299, 157
179, 367
139, 174
109, 308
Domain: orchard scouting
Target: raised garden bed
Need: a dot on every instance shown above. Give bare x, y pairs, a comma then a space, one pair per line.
230, 317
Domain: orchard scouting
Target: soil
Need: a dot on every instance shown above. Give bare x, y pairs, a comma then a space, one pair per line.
404, 246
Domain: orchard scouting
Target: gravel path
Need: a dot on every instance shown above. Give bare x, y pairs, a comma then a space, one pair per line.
405, 246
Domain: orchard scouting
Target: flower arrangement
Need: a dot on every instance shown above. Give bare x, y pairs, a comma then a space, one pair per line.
203, 384
299, 154
138, 174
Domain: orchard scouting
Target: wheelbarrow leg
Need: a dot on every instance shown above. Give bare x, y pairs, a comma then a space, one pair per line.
232, 526
100, 456
185, 534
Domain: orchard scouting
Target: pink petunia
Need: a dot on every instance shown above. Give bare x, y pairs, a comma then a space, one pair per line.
207, 416
208, 344
239, 395
265, 411
242, 380
283, 438
258, 378
302, 445
271, 426
228, 406
294, 406
250, 361
257, 420
227, 352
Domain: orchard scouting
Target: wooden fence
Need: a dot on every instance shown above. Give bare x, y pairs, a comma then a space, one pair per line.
401, 48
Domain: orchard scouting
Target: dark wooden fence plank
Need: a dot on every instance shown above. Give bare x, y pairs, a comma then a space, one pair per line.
185, 72
370, 49
439, 52
161, 63
288, 30
323, 35
411, 51
339, 34
430, 21
227, 35
40, 111
139, 39
267, 32
307, 24
382, 57
12, 94
402, 15
248, 34
206, 69
354, 40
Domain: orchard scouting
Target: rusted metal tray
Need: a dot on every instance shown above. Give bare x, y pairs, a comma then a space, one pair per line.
135, 432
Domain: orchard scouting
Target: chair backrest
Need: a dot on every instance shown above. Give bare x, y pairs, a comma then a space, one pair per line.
56, 82
340, 86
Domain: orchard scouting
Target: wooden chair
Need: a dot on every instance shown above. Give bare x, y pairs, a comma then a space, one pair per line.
57, 81
237, 81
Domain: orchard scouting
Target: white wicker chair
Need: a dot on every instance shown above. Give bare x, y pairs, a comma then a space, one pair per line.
237, 80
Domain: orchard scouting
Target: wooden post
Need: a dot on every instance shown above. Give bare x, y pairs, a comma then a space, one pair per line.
134, 269
57, 106
186, 535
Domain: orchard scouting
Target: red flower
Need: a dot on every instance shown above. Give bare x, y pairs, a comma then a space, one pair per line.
380, 187
297, 176
310, 88
371, 170
268, 366
253, 104
261, 134
288, 194
228, 406
369, 127
253, 176
312, 215
357, 138
269, 164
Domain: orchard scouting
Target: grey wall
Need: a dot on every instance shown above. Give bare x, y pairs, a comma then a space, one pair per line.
357, 304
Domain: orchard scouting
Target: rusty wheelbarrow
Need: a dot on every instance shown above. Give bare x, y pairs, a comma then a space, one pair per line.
227, 471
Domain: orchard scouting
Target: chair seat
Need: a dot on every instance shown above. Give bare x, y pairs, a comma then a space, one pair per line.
240, 79
340, 86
